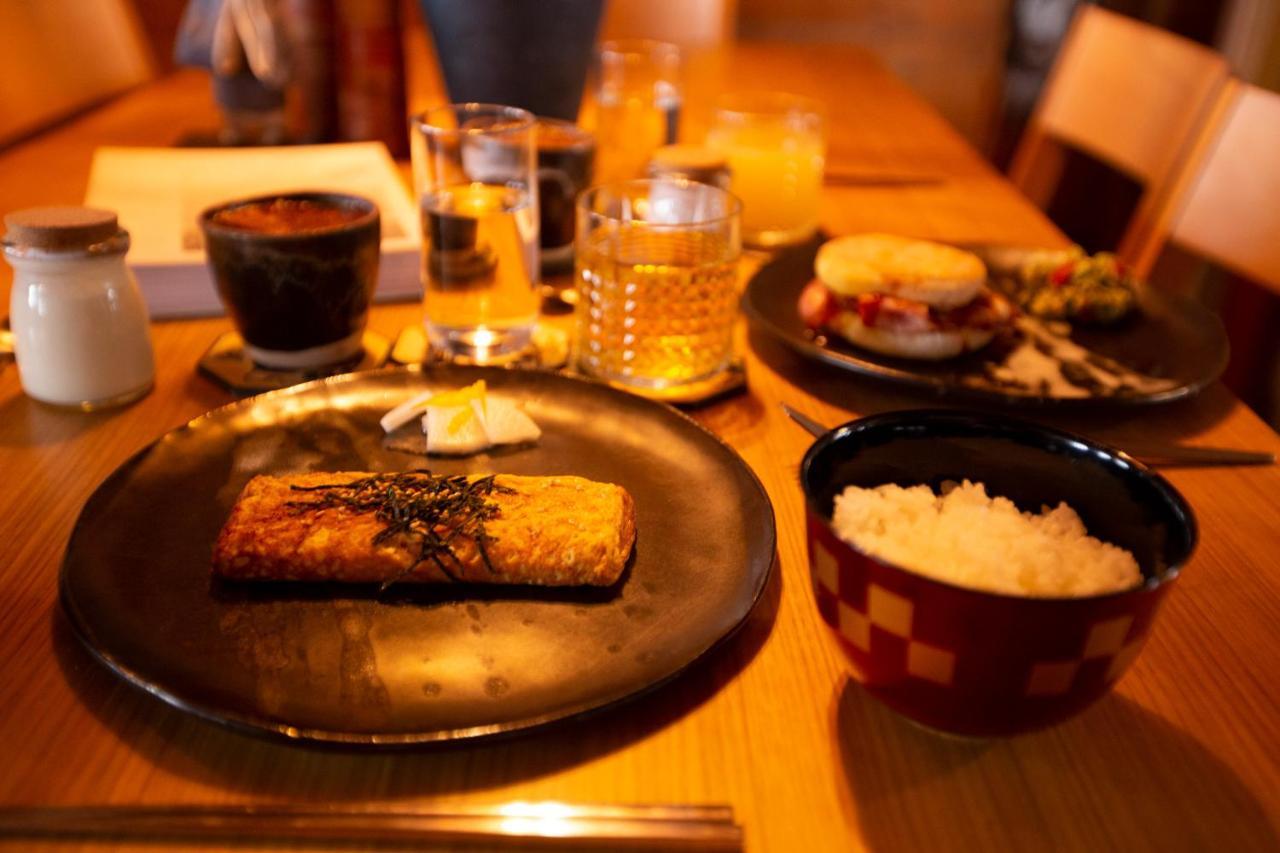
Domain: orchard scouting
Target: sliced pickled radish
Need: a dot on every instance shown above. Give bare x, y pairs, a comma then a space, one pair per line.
417, 406
455, 429
405, 412
464, 420
506, 423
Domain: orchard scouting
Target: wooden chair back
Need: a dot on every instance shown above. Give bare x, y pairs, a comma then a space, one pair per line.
688, 23
61, 56
1224, 203
1127, 93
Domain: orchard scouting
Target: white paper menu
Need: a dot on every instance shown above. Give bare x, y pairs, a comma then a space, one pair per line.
158, 193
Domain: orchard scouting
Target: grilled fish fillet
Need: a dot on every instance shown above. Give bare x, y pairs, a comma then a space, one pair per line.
550, 531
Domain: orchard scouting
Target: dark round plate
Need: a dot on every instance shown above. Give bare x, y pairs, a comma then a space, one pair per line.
415, 664
1169, 349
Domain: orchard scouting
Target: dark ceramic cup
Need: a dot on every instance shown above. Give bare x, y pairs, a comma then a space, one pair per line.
980, 663
296, 273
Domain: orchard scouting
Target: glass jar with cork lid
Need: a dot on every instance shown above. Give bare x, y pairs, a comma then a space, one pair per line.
80, 328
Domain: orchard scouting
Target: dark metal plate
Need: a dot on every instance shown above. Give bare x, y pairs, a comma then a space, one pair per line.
1177, 346
415, 664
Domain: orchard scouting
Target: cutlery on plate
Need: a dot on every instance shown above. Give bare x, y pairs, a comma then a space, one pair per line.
1157, 456
529, 825
811, 426
1182, 456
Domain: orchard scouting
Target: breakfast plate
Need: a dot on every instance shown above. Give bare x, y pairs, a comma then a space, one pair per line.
1168, 349
416, 663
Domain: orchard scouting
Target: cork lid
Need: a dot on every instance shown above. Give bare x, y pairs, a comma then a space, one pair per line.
60, 228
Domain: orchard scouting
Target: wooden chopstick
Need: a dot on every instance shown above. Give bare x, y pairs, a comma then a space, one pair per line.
548, 825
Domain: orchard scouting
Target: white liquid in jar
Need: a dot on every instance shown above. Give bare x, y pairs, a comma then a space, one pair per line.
81, 334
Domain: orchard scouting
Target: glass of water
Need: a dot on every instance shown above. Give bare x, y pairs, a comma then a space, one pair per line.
637, 108
656, 271
476, 179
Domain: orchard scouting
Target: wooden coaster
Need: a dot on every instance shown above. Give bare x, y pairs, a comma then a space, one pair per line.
550, 351
226, 364
729, 381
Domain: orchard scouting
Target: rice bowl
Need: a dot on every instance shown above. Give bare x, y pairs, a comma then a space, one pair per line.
968, 538
977, 661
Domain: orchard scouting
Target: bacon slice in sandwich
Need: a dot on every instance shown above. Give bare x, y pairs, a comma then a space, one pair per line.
904, 298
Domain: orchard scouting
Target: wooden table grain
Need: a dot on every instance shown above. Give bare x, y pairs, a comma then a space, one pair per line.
1184, 754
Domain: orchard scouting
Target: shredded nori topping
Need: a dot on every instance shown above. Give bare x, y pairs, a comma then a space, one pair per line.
429, 510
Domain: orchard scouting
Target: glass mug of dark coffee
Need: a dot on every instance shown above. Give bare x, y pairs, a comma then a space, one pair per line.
296, 273
566, 164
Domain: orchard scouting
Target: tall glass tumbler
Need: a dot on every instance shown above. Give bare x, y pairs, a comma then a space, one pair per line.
656, 270
775, 143
638, 98
477, 187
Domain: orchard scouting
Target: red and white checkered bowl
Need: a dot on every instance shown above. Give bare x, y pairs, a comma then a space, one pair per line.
982, 663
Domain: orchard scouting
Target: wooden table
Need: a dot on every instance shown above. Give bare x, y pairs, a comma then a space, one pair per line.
1184, 754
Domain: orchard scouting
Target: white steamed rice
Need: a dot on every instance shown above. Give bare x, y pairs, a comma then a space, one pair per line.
969, 539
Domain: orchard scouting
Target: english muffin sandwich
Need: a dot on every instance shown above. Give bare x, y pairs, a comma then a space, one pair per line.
903, 297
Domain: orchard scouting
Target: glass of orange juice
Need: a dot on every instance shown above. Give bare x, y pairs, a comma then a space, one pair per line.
775, 144
637, 105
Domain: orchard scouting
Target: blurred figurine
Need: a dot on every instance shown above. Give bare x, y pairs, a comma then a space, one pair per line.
244, 43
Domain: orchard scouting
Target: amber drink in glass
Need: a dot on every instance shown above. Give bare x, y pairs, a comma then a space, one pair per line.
656, 272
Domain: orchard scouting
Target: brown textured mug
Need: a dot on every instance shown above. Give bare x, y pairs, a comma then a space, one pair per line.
296, 273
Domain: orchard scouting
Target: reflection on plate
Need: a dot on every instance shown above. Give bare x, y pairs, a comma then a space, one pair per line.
1168, 349
413, 665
